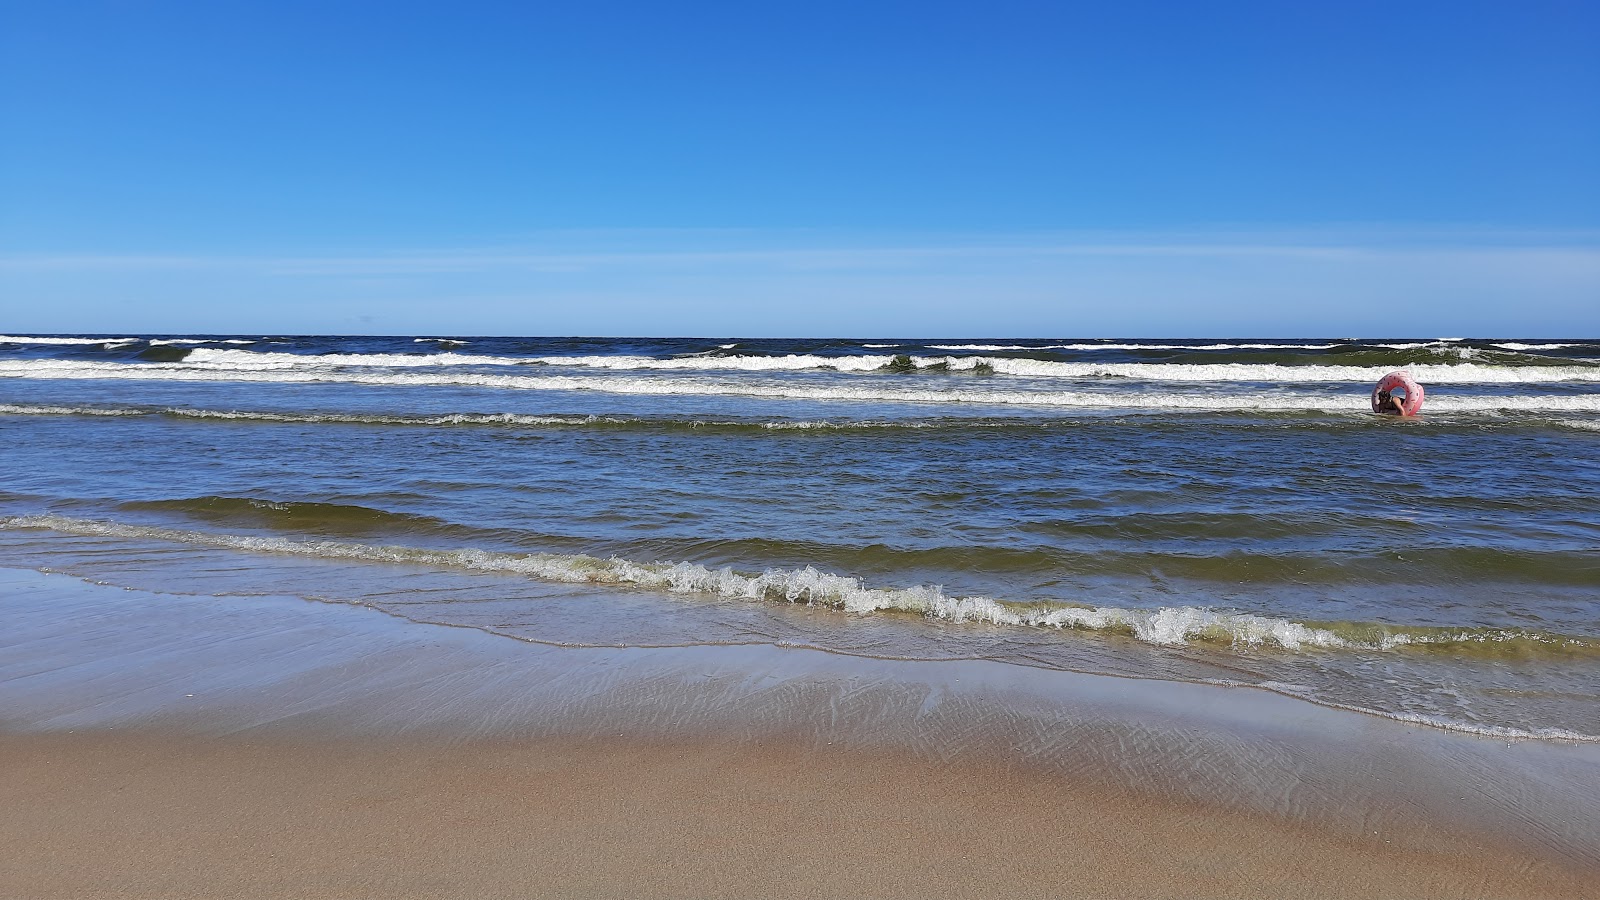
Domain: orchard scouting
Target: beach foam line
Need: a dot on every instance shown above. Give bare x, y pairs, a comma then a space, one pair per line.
1167, 626
1439, 722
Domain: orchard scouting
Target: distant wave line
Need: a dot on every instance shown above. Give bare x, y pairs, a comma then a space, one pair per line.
334, 367
1110, 346
1350, 413
877, 392
24, 339
1465, 372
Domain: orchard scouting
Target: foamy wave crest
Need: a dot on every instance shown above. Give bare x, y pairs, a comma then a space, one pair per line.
1513, 345
883, 390
159, 342
11, 409
1429, 373
791, 363
1169, 626
1587, 403
1109, 346
1432, 373
337, 367
249, 360
14, 339
1461, 373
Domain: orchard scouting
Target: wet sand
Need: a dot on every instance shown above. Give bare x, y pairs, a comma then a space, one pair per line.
174, 746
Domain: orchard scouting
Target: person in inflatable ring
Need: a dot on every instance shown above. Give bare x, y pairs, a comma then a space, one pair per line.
1390, 405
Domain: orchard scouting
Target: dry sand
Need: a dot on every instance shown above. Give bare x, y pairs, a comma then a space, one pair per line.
147, 816
161, 746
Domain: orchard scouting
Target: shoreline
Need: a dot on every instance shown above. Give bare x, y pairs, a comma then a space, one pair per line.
129, 719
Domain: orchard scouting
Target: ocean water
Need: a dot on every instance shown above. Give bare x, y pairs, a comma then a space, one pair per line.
1212, 511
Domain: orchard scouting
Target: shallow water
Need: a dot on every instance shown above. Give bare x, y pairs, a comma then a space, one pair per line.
1205, 510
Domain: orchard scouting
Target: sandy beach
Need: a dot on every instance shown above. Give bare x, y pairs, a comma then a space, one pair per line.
154, 816
180, 746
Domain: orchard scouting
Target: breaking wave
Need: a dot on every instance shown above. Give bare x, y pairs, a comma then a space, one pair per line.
244, 364
1168, 626
1114, 346
66, 341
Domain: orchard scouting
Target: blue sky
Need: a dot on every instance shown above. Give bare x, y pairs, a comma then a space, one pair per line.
853, 168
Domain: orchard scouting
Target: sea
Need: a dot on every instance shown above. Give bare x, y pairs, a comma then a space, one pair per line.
1216, 511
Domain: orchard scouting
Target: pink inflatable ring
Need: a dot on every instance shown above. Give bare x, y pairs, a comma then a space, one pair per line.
1409, 405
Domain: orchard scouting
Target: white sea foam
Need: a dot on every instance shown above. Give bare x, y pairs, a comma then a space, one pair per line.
1430, 373
1301, 692
1171, 626
1513, 345
876, 390
1167, 626
792, 363
155, 342
249, 360
1439, 344
1493, 731
1270, 373
12, 409
1108, 346
16, 339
